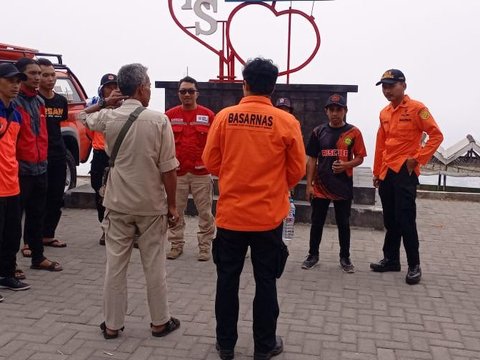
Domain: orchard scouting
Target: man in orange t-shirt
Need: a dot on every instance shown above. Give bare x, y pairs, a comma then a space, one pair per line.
258, 154
398, 156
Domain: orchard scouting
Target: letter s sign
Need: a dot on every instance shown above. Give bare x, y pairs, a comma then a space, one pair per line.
197, 9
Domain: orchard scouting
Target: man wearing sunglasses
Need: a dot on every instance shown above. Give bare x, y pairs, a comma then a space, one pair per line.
191, 123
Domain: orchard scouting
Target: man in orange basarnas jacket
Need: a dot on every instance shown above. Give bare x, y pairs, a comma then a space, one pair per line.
398, 156
10, 214
258, 154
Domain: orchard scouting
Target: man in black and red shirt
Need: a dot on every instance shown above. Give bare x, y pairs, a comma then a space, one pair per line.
56, 110
32, 147
333, 150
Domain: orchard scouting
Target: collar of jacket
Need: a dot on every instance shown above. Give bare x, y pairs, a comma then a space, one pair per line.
28, 93
257, 98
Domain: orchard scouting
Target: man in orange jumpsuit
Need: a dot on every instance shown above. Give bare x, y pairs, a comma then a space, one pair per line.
398, 156
258, 153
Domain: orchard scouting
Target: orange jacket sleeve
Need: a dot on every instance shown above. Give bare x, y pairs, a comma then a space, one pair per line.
379, 148
427, 123
212, 154
296, 158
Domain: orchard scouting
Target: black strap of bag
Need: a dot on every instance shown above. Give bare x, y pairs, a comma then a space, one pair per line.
121, 135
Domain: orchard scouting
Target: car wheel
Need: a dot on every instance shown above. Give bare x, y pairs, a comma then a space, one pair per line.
71, 178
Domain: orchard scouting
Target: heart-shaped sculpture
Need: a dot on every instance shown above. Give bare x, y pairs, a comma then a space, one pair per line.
277, 14
191, 34
227, 54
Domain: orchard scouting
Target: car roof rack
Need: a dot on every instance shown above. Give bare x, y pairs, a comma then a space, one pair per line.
13, 52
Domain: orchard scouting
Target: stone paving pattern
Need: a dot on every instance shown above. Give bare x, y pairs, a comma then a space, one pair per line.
325, 313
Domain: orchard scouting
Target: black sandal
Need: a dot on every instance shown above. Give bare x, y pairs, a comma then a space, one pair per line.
108, 336
171, 325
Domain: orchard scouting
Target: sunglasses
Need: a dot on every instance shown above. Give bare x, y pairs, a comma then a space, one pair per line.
189, 91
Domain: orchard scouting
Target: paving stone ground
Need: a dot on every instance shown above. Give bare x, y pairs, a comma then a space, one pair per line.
325, 313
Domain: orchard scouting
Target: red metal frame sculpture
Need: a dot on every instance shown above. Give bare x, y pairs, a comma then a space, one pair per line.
227, 54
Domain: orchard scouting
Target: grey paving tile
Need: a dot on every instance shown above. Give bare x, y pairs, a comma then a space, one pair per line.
324, 314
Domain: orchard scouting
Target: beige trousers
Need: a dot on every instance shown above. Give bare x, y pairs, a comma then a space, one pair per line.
201, 188
120, 230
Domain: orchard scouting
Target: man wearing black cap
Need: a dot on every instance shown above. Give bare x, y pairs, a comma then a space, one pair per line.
10, 214
284, 104
333, 150
398, 156
108, 83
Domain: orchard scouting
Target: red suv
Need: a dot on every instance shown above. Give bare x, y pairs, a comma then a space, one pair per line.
75, 136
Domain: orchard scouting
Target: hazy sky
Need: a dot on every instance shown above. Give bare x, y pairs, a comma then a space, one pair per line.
435, 43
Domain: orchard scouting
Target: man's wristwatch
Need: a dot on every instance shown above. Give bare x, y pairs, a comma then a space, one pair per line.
102, 103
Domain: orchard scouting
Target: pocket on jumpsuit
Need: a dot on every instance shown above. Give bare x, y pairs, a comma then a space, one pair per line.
214, 252
281, 259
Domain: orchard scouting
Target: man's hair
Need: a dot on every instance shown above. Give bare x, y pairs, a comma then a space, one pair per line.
44, 62
130, 77
188, 79
261, 76
22, 63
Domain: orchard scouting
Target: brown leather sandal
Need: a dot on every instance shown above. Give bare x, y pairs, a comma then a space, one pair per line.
26, 251
53, 266
54, 243
19, 274
114, 333
171, 325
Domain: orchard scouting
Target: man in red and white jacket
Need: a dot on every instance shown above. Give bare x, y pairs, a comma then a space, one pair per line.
191, 123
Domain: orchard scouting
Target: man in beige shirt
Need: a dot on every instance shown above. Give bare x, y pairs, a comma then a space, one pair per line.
139, 198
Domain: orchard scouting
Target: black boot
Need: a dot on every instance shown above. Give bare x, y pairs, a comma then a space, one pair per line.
414, 275
277, 349
385, 265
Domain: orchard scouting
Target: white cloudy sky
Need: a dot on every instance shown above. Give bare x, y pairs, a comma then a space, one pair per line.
435, 43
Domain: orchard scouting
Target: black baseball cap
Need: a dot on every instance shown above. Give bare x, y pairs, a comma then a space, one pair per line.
108, 78
391, 76
283, 101
336, 99
8, 70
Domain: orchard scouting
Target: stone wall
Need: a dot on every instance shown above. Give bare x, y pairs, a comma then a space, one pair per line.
308, 100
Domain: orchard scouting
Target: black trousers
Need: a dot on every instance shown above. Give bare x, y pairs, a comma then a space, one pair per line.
10, 234
56, 174
229, 249
33, 195
98, 165
342, 218
398, 192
